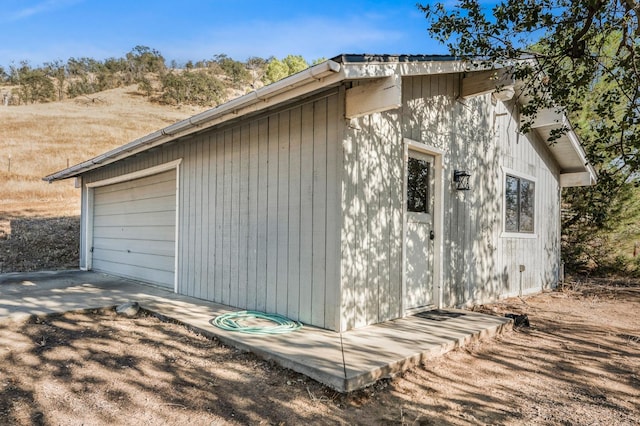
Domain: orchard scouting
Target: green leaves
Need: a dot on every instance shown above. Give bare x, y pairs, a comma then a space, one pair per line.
199, 87
279, 69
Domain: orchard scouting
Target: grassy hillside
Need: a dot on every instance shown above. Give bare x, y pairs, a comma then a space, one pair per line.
39, 222
39, 139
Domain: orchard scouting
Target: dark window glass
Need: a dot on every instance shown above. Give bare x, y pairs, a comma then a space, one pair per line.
527, 205
511, 205
519, 205
418, 186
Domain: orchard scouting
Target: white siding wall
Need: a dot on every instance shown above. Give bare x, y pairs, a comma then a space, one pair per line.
479, 263
259, 212
293, 212
372, 220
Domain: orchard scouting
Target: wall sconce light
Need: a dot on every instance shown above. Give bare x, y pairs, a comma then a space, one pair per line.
461, 179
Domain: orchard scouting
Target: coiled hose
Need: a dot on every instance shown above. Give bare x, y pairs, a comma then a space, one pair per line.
233, 321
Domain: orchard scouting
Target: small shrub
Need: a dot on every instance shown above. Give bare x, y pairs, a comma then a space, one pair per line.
192, 87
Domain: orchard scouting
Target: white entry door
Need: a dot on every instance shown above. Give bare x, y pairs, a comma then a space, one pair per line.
419, 230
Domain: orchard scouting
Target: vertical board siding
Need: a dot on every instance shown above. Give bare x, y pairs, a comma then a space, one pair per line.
243, 210
272, 214
253, 216
335, 133
282, 267
479, 263
258, 207
226, 207
263, 168
234, 239
319, 213
293, 233
219, 223
306, 210
212, 177
371, 236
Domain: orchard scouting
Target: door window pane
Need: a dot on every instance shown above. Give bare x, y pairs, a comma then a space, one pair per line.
418, 185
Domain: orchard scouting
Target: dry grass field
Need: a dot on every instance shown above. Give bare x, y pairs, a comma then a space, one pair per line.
39, 139
37, 219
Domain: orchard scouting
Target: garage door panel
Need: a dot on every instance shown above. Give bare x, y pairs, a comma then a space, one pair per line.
136, 272
131, 258
148, 191
148, 205
134, 228
143, 233
160, 248
163, 218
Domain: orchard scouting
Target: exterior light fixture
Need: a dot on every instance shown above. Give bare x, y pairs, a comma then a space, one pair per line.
461, 179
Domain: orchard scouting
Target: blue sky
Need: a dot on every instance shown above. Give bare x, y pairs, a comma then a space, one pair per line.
46, 30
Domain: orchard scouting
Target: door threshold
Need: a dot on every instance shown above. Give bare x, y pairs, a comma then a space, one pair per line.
413, 311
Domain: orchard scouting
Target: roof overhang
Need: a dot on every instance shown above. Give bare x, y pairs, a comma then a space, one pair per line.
575, 169
566, 149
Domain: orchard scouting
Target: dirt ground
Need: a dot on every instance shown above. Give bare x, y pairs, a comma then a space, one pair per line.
38, 243
578, 363
38, 236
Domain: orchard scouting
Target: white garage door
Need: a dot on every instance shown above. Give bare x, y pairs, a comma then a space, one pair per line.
134, 228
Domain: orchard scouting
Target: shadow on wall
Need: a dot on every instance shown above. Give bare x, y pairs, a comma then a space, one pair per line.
372, 221
373, 200
37, 244
465, 131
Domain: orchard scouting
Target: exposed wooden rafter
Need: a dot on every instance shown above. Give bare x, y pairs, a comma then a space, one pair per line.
478, 83
374, 96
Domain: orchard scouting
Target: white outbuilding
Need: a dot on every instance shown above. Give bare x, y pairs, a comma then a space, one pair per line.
363, 189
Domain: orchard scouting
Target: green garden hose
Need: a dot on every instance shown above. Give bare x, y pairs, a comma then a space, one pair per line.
233, 321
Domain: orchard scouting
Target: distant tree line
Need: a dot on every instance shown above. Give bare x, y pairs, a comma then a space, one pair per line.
204, 82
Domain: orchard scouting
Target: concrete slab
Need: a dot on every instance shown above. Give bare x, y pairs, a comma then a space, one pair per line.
344, 361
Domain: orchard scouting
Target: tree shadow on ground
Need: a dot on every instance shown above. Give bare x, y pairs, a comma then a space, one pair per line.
99, 368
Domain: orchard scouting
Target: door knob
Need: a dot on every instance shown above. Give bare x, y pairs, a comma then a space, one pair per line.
431, 235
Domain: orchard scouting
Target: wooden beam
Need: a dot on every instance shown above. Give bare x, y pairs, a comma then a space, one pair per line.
478, 83
375, 96
576, 179
548, 117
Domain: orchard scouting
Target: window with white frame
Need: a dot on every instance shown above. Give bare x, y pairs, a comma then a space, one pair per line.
519, 205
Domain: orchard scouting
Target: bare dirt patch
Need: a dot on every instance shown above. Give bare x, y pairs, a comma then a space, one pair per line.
35, 243
578, 363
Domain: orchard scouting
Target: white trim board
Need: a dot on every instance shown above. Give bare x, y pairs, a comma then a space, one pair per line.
138, 174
